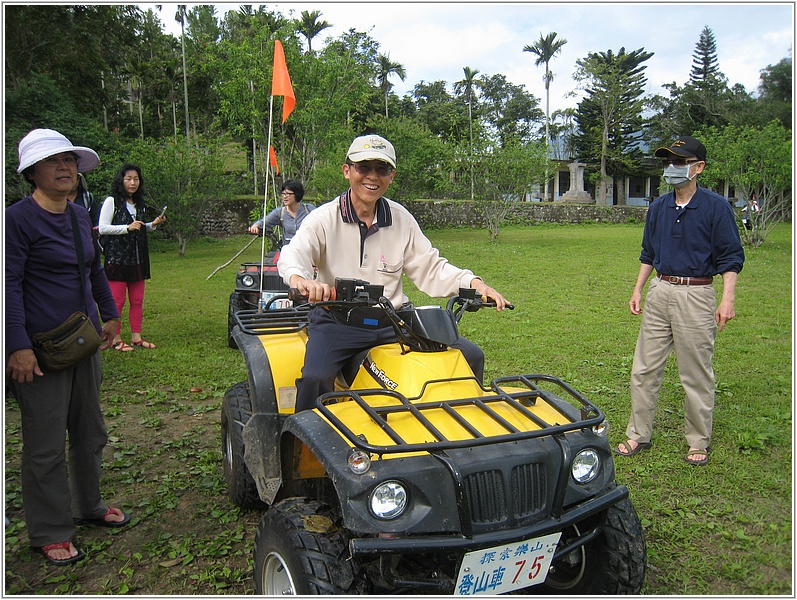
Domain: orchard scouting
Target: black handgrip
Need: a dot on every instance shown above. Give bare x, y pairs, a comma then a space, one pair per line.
297, 297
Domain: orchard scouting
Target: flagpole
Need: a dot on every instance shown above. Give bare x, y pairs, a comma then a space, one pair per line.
280, 86
265, 206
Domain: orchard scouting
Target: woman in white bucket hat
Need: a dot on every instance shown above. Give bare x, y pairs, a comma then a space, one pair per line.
43, 288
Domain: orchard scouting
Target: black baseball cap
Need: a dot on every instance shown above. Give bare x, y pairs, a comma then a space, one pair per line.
685, 147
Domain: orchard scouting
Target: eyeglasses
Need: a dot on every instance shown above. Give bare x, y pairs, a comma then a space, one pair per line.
287, 193
678, 162
54, 161
382, 169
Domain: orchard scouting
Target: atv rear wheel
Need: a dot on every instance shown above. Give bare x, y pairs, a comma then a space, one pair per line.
614, 563
236, 410
301, 550
236, 304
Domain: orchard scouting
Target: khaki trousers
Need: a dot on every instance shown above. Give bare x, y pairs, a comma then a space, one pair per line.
680, 318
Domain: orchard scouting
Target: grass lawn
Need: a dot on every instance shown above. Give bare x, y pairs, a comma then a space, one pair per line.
724, 529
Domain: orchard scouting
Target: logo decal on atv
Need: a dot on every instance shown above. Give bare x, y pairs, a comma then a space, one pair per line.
380, 376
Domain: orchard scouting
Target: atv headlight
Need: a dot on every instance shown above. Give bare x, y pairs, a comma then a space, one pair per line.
248, 280
585, 466
388, 500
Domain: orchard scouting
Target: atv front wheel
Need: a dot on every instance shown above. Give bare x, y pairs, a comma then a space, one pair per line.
301, 550
236, 410
614, 563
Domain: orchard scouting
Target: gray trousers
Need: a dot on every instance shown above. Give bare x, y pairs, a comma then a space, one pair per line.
52, 405
680, 318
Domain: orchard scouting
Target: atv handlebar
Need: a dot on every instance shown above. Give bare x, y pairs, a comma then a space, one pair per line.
423, 329
470, 301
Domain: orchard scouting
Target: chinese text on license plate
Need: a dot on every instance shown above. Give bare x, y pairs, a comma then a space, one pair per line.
280, 303
505, 568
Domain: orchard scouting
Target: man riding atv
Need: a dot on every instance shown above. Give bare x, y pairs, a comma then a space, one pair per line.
363, 235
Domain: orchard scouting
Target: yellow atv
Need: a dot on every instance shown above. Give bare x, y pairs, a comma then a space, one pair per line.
412, 477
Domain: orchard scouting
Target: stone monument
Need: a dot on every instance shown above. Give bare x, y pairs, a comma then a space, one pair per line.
576, 193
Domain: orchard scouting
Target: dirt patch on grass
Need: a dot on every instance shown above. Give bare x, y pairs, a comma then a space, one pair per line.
162, 465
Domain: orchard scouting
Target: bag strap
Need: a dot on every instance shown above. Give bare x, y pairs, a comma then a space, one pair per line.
81, 257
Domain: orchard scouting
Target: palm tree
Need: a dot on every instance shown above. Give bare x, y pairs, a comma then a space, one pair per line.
310, 27
180, 16
136, 69
466, 87
384, 69
546, 48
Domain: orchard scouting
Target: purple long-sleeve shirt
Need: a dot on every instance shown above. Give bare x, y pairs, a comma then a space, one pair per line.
42, 277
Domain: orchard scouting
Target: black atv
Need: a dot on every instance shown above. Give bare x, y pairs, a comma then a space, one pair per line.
255, 284
412, 477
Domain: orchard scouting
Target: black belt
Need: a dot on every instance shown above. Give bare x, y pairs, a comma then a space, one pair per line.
364, 318
675, 279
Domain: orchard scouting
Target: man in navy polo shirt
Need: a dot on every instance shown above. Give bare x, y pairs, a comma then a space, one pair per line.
690, 235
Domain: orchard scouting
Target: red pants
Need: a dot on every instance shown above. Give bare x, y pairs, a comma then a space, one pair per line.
135, 290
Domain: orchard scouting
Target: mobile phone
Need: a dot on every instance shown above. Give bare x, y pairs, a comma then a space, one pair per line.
163, 212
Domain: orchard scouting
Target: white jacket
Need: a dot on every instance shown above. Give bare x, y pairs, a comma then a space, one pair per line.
330, 243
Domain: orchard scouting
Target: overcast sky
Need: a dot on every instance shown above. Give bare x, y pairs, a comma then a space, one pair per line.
436, 40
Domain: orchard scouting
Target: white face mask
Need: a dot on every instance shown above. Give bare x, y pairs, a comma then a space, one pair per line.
677, 176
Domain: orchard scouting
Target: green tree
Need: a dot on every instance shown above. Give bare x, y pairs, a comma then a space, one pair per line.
385, 68
188, 180
775, 92
136, 71
87, 68
705, 65
546, 48
439, 110
510, 113
756, 160
564, 130
704, 101
309, 26
611, 113
467, 88
180, 18
506, 176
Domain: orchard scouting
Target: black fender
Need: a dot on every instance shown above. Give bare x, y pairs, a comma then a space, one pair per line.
261, 433
258, 368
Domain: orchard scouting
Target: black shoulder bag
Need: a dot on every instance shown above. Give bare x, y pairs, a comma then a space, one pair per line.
76, 338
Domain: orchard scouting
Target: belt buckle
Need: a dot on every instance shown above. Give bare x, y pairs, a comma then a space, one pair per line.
674, 279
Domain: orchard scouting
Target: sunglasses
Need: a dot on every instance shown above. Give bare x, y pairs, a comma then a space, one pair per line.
678, 162
54, 161
383, 170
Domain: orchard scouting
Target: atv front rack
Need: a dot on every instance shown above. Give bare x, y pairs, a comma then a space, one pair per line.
585, 415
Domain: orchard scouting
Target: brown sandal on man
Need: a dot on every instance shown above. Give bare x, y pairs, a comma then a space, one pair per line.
698, 462
631, 451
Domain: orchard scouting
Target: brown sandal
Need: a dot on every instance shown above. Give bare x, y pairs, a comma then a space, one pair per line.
122, 347
144, 344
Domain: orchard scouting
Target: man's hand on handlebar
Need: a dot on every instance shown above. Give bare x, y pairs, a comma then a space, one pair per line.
314, 290
486, 292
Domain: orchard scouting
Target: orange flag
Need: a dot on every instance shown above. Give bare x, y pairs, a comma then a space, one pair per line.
281, 81
272, 158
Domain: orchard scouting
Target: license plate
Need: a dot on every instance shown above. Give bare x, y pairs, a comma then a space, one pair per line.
507, 567
281, 303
